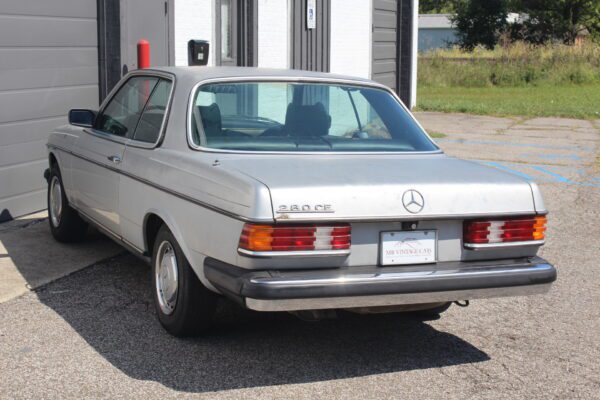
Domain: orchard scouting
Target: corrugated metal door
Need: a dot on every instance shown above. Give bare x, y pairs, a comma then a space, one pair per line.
385, 43
310, 47
392, 63
48, 64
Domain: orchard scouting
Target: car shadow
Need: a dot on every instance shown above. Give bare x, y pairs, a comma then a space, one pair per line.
33, 258
109, 305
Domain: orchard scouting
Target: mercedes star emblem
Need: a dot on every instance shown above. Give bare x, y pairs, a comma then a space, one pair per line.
413, 201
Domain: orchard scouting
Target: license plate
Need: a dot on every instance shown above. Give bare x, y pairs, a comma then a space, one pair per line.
408, 247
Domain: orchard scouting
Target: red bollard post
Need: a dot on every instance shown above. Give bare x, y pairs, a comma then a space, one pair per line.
143, 54
143, 61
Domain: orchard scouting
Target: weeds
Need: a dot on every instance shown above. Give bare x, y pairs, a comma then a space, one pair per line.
517, 65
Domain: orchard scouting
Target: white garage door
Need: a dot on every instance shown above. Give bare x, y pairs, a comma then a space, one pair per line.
48, 64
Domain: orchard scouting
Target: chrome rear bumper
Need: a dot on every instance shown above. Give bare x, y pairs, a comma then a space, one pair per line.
372, 286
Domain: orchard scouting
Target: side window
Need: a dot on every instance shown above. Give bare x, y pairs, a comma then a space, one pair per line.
372, 124
122, 113
153, 115
352, 116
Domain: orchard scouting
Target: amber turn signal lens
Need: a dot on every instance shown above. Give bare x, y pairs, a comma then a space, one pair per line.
256, 237
295, 237
539, 227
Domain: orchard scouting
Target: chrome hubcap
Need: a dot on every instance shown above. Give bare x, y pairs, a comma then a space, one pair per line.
167, 279
55, 201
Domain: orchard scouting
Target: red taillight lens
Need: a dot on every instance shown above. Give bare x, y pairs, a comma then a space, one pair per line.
522, 229
295, 237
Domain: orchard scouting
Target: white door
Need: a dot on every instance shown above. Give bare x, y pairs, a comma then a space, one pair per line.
144, 19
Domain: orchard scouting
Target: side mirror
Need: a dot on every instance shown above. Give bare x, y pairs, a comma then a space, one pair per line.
79, 117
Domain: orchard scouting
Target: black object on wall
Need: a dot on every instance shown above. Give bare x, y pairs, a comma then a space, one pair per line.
198, 52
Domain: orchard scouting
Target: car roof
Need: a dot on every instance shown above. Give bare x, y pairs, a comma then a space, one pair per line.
198, 73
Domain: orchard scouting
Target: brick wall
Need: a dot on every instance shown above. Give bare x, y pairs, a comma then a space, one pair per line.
193, 19
351, 37
273, 34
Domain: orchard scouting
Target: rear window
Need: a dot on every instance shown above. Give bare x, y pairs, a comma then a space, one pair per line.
297, 117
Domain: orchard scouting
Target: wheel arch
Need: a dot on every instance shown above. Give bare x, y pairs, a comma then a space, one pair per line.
52, 160
153, 220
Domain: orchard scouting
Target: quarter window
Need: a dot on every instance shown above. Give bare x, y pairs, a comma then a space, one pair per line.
148, 129
121, 115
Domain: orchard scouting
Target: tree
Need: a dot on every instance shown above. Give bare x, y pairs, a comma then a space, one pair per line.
436, 6
561, 20
480, 22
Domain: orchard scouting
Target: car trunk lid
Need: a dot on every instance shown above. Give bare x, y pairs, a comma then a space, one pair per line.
383, 187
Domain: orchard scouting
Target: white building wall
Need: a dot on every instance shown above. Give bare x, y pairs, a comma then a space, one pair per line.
193, 19
273, 34
351, 37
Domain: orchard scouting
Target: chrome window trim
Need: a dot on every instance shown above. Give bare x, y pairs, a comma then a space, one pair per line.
130, 141
296, 79
483, 246
106, 136
304, 253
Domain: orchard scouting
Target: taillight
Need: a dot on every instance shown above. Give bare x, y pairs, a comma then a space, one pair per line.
295, 237
489, 231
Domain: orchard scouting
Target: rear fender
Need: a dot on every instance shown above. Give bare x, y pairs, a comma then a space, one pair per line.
195, 259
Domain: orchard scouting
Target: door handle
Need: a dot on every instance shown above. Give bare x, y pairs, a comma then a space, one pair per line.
115, 159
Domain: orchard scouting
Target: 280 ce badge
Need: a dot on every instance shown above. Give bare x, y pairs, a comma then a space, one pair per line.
305, 208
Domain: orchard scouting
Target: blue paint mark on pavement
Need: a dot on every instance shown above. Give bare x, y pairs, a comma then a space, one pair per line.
533, 145
573, 157
508, 169
558, 177
544, 173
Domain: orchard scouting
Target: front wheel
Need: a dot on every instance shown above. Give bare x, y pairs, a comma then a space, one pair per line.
184, 306
65, 223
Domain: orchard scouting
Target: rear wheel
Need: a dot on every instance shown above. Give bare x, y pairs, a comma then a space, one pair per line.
184, 306
65, 223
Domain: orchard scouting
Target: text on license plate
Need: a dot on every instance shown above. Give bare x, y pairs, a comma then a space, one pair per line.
408, 247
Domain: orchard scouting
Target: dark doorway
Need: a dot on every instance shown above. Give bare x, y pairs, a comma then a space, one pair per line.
310, 45
109, 46
236, 28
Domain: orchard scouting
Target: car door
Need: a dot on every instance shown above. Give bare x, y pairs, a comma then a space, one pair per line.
141, 163
100, 150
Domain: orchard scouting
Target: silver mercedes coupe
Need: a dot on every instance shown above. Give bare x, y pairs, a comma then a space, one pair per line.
289, 191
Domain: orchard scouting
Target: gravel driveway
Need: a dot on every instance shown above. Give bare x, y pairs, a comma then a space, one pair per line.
94, 333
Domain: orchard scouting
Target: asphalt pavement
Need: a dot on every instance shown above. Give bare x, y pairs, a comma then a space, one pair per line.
93, 333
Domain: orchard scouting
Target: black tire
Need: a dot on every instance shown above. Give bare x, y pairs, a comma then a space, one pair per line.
192, 311
431, 313
65, 223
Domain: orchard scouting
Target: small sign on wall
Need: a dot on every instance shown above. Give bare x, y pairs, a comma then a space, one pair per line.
311, 14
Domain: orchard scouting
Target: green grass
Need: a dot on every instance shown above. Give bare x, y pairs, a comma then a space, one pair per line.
517, 79
515, 65
437, 135
574, 101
